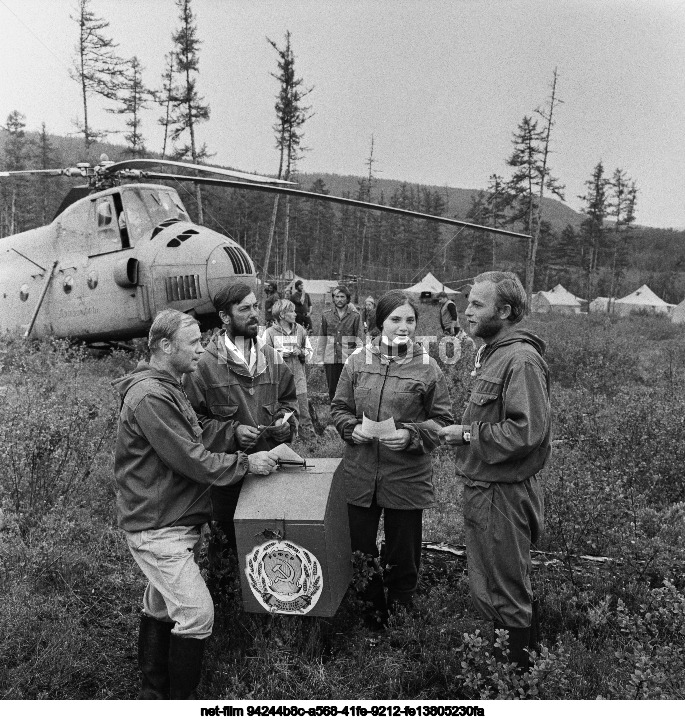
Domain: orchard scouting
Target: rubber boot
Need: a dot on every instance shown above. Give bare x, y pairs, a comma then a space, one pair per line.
185, 666
153, 657
376, 611
519, 641
535, 627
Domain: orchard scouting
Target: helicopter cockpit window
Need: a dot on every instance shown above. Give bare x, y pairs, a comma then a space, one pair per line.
104, 213
167, 205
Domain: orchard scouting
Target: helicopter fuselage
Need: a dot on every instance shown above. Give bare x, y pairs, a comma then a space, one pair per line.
109, 262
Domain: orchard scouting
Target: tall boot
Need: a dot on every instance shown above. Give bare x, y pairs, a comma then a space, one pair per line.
153, 657
376, 606
519, 641
535, 627
185, 666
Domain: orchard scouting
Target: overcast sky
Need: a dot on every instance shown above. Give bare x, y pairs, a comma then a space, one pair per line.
440, 84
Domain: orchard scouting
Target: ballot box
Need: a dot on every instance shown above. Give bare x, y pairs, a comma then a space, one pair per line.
294, 541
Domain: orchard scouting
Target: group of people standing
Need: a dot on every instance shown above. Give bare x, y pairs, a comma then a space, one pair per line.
194, 421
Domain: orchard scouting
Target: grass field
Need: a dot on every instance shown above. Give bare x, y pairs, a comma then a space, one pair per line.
615, 489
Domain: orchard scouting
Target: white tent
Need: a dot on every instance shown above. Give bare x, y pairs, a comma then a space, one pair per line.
429, 284
557, 300
643, 299
601, 304
678, 314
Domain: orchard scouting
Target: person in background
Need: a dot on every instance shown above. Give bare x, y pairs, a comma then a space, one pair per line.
163, 474
502, 444
369, 317
241, 391
449, 318
341, 333
303, 306
271, 296
291, 342
390, 378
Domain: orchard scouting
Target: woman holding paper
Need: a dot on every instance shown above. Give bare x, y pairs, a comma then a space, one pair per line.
387, 468
291, 342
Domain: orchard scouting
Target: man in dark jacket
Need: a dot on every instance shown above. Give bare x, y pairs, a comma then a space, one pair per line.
342, 332
449, 318
241, 392
303, 306
272, 295
163, 473
503, 442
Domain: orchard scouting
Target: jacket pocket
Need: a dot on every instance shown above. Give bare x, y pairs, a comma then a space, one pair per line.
486, 391
361, 400
223, 410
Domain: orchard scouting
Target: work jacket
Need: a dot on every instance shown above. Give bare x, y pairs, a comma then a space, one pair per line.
413, 392
339, 336
448, 316
162, 469
508, 413
224, 395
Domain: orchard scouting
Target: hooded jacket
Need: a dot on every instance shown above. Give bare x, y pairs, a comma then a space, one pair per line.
162, 469
509, 412
225, 395
413, 392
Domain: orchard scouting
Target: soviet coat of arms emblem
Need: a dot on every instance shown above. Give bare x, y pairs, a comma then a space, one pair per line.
284, 577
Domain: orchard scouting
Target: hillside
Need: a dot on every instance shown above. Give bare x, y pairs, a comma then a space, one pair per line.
459, 199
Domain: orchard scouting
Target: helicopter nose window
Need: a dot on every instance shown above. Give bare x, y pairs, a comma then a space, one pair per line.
24, 292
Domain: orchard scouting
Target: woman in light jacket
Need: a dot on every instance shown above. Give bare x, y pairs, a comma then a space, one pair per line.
391, 377
291, 341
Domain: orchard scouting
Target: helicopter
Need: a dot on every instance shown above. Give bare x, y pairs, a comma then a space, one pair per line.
122, 248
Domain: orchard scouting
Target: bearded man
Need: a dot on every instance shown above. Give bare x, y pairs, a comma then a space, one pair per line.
503, 442
241, 391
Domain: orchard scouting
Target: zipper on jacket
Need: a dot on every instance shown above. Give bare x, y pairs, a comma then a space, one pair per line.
378, 410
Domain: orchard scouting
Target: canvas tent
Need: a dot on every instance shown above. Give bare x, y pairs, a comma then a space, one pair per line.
601, 304
641, 300
678, 313
557, 300
429, 284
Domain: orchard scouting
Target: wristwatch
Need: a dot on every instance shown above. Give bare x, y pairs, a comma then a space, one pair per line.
466, 436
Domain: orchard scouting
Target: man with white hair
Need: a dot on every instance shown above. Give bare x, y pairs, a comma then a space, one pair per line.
164, 474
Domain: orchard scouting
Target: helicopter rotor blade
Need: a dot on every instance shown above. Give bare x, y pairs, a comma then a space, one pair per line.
142, 163
51, 171
336, 199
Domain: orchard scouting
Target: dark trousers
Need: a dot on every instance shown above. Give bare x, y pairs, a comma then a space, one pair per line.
332, 371
403, 533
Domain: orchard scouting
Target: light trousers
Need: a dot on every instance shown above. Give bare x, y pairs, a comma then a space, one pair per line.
176, 591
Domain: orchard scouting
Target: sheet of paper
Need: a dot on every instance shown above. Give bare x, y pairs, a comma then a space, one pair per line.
283, 420
286, 453
378, 429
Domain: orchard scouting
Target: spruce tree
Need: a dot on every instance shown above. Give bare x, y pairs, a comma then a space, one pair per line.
134, 98
532, 177
291, 115
97, 68
187, 106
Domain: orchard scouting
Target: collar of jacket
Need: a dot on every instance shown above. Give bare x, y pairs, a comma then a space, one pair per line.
240, 368
293, 331
374, 346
